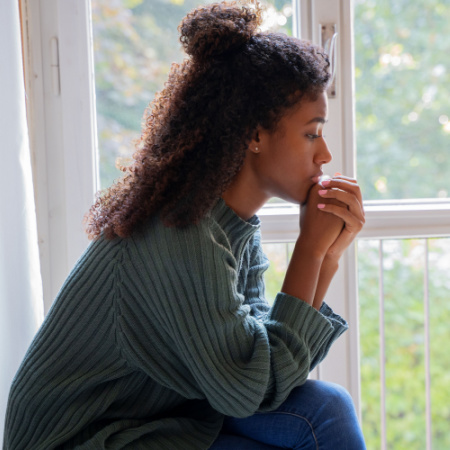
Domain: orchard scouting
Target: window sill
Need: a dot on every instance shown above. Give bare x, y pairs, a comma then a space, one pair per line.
384, 219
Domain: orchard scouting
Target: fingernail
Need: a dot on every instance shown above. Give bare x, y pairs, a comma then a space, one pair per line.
322, 192
337, 174
321, 206
325, 183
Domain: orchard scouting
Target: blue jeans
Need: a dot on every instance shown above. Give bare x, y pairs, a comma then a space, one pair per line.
317, 415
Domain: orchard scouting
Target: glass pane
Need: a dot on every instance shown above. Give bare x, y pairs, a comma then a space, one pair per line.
439, 292
369, 342
402, 103
279, 255
404, 334
135, 42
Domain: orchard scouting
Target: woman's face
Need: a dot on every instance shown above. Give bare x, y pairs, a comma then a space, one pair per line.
289, 160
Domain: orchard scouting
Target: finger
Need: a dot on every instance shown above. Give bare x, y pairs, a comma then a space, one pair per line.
341, 183
345, 197
350, 200
344, 177
333, 201
341, 243
353, 224
344, 185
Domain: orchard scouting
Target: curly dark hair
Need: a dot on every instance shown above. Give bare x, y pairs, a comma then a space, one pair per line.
197, 129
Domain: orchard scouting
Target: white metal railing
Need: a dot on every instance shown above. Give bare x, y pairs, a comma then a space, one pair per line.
427, 345
382, 345
426, 301
384, 355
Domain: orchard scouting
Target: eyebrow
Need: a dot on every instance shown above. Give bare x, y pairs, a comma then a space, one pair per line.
318, 119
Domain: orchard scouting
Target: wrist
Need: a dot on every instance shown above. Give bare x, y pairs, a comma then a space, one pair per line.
331, 262
328, 269
310, 248
303, 272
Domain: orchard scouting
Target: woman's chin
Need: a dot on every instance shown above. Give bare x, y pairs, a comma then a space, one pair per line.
295, 199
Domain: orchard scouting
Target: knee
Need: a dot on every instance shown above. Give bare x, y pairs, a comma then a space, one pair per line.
340, 417
337, 394
327, 400
335, 398
329, 411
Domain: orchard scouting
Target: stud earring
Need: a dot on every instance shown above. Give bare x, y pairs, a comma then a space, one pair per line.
256, 149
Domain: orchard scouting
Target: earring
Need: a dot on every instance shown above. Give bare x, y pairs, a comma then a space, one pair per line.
256, 149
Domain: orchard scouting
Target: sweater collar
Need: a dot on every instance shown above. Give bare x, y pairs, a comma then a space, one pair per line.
233, 225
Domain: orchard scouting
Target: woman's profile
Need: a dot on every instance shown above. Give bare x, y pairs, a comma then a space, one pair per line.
161, 337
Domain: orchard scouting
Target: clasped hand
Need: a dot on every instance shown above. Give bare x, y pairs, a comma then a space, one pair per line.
332, 216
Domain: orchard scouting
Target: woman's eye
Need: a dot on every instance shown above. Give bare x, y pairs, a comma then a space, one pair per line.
313, 136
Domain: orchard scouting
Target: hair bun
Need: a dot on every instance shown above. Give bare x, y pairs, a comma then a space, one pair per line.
219, 28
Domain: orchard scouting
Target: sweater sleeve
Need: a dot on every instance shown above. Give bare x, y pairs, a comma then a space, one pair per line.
254, 283
181, 320
255, 297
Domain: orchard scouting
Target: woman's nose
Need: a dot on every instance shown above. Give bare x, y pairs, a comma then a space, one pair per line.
323, 155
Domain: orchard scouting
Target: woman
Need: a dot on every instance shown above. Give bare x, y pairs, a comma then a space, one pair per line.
161, 337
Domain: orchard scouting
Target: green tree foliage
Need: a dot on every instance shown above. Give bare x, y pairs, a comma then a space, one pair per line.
135, 43
279, 255
404, 334
402, 98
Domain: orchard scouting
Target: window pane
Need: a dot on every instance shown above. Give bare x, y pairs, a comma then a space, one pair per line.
404, 265
279, 255
369, 342
135, 42
439, 288
402, 98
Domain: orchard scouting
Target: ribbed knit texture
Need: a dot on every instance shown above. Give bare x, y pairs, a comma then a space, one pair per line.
154, 338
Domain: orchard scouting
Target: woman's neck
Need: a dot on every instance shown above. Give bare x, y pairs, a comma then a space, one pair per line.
243, 196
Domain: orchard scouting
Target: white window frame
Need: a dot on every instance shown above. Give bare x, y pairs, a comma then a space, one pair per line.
60, 89
61, 113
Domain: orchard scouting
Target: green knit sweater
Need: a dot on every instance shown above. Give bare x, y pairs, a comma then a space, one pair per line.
154, 338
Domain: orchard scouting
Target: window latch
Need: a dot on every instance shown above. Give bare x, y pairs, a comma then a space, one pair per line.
54, 64
328, 43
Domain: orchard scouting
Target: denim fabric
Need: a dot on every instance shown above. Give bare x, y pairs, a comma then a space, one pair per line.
317, 415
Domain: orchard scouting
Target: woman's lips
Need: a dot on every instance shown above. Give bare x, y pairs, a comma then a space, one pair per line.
320, 177
323, 178
316, 178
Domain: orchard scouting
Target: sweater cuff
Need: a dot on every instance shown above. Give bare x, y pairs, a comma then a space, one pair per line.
339, 324
336, 319
302, 319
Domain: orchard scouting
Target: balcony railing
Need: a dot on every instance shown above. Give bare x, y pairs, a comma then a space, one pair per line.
404, 312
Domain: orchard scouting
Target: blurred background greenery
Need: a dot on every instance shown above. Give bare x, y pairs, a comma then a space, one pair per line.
403, 277
402, 101
135, 43
402, 78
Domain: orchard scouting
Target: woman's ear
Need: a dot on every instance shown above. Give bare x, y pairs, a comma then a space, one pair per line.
255, 144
